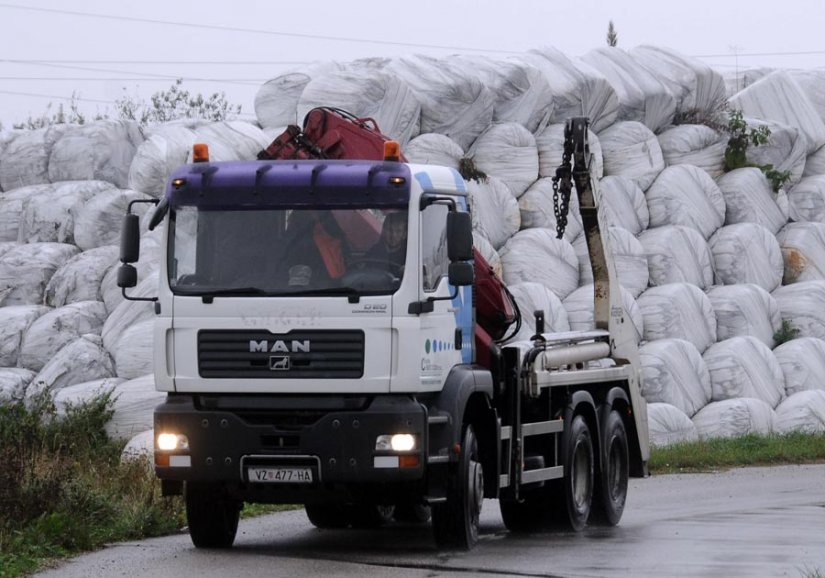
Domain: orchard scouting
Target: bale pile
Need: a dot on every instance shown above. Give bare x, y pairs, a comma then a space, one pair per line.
712, 262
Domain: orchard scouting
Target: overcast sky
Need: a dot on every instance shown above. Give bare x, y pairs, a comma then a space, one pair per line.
102, 50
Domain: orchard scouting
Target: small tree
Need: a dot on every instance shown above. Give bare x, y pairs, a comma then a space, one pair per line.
60, 116
175, 103
612, 36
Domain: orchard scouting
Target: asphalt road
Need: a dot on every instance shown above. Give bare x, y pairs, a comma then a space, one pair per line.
746, 522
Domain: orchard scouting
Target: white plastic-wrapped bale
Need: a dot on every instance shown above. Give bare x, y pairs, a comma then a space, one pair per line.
495, 210
98, 222
101, 150
815, 163
803, 364
749, 198
630, 259
483, 245
745, 309
679, 310
13, 383
694, 84
14, 321
812, 83
507, 151
686, 195
233, 140
802, 412
743, 366
642, 97
668, 425
276, 101
6, 246
803, 306
631, 150
803, 251
166, 149
623, 204
550, 144
26, 270
434, 149
735, 418
49, 216
674, 372
786, 149
80, 277
777, 97
133, 353
694, 144
26, 157
677, 254
54, 330
531, 297
83, 393
12, 204
147, 267
579, 307
746, 253
743, 77
807, 199
578, 88
134, 406
559, 270
82, 360
366, 92
129, 313
522, 92
140, 447
453, 101
537, 209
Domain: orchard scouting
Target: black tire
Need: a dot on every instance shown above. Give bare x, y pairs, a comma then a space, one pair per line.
212, 517
611, 485
412, 512
455, 522
370, 515
577, 484
328, 516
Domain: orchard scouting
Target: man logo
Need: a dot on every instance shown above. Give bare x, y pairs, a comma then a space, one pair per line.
279, 363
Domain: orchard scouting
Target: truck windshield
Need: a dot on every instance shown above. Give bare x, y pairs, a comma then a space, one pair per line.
286, 252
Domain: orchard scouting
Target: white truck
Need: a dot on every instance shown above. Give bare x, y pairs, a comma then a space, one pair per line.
357, 392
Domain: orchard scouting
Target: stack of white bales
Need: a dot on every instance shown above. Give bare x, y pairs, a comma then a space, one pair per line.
711, 263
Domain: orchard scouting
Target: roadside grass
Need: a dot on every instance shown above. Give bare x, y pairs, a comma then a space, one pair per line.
750, 450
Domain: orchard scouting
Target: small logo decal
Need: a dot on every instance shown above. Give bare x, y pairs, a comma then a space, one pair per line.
279, 363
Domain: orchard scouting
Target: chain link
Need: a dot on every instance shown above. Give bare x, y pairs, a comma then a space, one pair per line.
563, 184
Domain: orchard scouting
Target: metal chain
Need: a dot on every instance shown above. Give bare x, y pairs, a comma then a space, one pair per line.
563, 183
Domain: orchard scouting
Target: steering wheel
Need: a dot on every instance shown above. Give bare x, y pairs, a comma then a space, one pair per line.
362, 263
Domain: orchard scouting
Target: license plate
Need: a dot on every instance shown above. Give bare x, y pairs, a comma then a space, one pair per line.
280, 475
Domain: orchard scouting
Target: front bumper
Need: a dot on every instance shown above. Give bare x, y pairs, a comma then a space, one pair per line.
335, 437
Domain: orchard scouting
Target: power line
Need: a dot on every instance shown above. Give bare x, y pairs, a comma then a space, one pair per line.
250, 30
729, 54
164, 62
147, 79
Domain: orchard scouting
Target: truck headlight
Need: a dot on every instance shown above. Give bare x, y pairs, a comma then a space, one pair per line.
395, 442
168, 442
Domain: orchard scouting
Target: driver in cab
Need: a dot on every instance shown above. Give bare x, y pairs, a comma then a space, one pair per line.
390, 251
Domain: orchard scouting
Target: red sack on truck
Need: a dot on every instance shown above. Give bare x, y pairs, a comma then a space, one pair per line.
329, 133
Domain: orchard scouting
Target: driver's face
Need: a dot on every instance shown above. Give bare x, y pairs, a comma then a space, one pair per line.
396, 233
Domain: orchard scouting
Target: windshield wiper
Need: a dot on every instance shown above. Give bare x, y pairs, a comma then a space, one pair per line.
210, 294
326, 291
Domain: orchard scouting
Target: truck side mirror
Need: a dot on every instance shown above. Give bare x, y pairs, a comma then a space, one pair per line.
459, 236
460, 274
130, 239
126, 276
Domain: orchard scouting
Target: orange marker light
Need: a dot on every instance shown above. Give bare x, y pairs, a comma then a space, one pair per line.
408, 461
392, 151
200, 153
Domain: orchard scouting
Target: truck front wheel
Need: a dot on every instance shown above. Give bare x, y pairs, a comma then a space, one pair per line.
212, 517
455, 522
611, 486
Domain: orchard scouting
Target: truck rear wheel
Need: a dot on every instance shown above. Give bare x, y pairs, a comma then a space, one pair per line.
577, 484
212, 517
455, 522
611, 485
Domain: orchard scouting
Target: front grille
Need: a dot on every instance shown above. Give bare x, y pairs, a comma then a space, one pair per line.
294, 355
